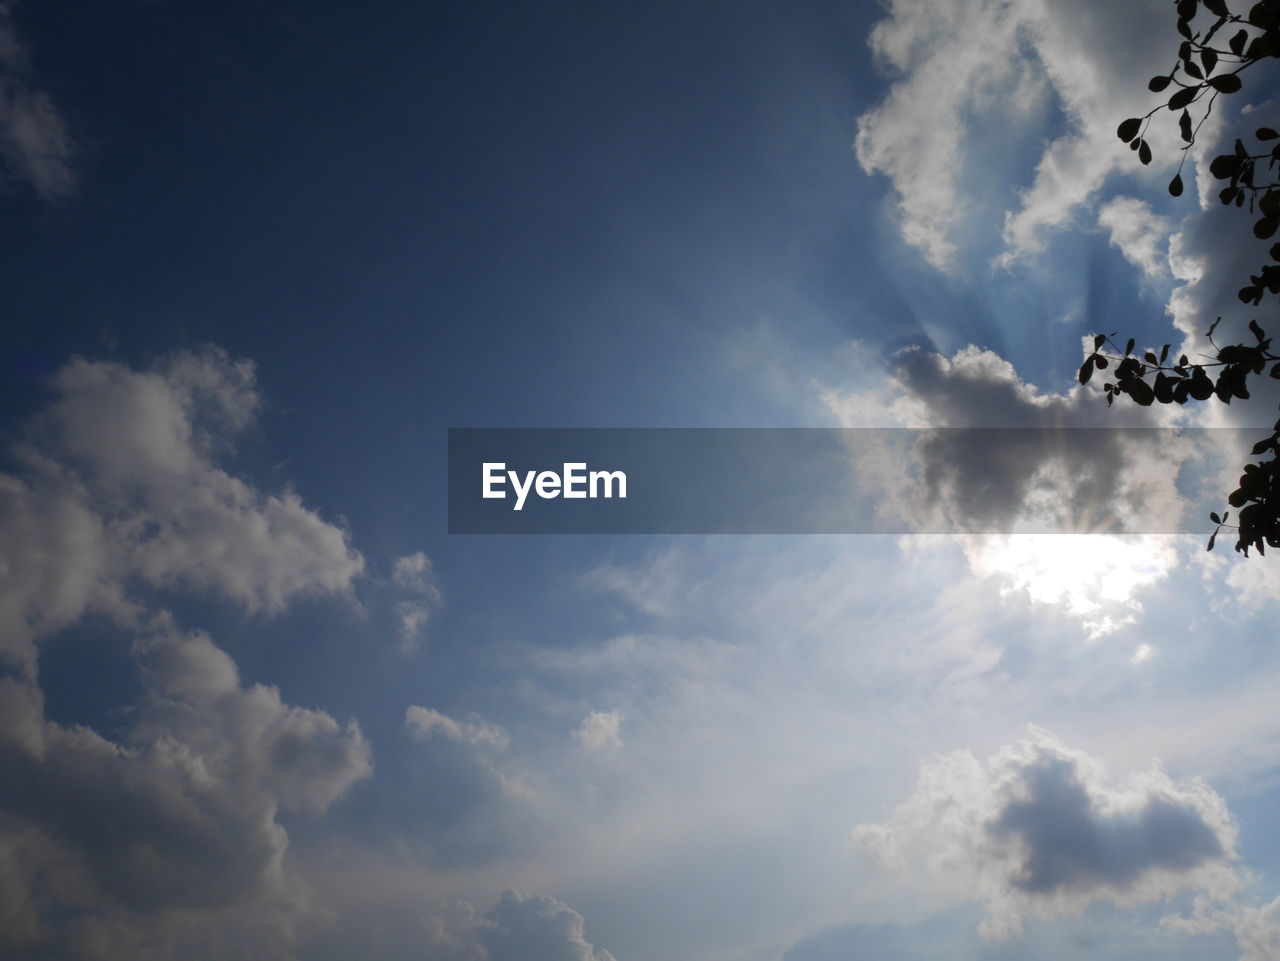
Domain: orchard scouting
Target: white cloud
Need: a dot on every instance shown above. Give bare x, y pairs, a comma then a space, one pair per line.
1040, 830
35, 144
600, 730
120, 484
1140, 234
414, 576
423, 723
989, 60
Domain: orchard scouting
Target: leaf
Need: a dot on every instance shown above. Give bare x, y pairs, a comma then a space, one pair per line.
1128, 348
1164, 354
1217, 7
1257, 331
1275, 251
1209, 57
1150, 357
1262, 445
1144, 153
1185, 96
1237, 42
1184, 124
1140, 391
1192, 70
1226, 83
1267, 226
1213, 516
1099, 340
1101, 362
1175, 185
1212, 537
1213, 327
1224, 166
1156, 84
1267, 133
1086, 369
1129, 129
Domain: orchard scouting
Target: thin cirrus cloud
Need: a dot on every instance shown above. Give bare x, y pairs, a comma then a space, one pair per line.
36, 145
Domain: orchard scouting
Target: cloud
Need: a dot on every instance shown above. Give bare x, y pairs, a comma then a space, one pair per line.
414, 576
35, 144
599, 730
991, 61
1040, 830
1042, 499
164, 840
536, 928
119, 845
1139, 233
519, 927
423, 723
119, 486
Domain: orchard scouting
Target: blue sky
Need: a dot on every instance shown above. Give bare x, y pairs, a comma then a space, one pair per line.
255, 700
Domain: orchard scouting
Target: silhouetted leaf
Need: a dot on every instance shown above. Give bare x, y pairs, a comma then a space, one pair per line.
1225, 83
1156, 84
1184, 126
1266, 133
1209, 57
1184, 97
1175, 185
1129, 129
1086, 369
1224, 166
1237, 42
1266, 227
1140, 391
1144, 153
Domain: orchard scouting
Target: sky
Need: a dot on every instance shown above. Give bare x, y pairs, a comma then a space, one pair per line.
256, 702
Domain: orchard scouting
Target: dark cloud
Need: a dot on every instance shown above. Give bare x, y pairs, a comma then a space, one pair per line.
1067, 841
1039, 830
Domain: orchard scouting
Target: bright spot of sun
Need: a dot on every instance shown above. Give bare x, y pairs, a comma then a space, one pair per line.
1096, 577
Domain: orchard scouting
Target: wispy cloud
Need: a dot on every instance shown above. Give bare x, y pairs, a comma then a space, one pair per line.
35, 142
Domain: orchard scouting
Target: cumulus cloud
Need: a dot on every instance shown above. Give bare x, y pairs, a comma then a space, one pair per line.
178, 816
1040, 830
164, 840
980, 60
536, 928
35, 143
520, 927
599, 730
414, 576
119, 484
